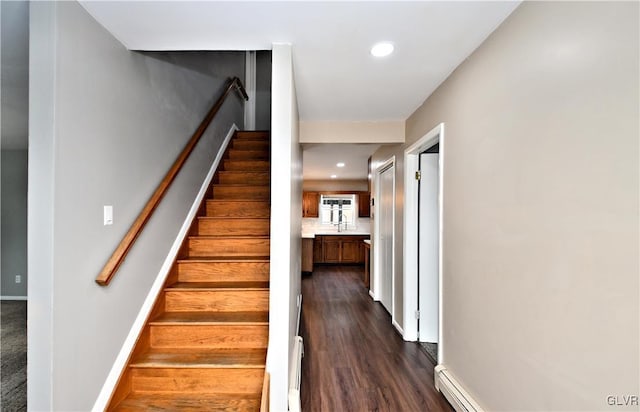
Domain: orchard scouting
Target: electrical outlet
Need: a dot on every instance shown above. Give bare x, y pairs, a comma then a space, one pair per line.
18, 279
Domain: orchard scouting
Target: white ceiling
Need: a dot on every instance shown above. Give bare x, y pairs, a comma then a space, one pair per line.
14, 74
319, 160
336, 77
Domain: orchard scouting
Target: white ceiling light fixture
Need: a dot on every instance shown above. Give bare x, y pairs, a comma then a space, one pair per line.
333, 176
382, 49
340, 164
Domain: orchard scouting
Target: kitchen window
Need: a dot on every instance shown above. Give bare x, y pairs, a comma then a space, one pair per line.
338, 209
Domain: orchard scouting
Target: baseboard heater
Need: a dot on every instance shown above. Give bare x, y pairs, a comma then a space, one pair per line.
295, 374
454, 392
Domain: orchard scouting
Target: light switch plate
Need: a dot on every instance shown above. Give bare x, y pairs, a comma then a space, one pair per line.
108, 215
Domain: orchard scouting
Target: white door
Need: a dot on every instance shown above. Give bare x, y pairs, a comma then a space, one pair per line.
428, 248
385, 213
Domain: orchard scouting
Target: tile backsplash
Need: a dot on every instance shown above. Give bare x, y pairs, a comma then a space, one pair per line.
312, 224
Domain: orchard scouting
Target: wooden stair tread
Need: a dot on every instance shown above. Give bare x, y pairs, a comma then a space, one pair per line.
210, 318
239, 285
223, 218
248, 151
238, 200
238, 185
248, 165
184, 402
210, 358
239, 237
261, 173
225, 259
243, 173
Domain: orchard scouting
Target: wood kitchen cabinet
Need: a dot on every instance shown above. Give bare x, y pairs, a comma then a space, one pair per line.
351, 251
367, 276
310, 202
331, 249
317, 250
307, 255
364, 209
339, 249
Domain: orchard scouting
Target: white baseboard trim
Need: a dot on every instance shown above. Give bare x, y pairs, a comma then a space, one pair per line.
373, 295
397, 326
13, 298
121, 360
457, 396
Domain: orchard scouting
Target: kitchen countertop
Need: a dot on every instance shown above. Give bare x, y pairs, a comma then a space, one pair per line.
355, 232
312, 228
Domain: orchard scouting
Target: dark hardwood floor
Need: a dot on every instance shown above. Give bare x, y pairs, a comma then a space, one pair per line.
354, 359
13, 356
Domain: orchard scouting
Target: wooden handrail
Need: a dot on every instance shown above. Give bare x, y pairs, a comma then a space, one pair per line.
123, 248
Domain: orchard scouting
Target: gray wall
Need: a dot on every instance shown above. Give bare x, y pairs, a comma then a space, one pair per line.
541, 184
263, 90
14, 90
106, 124
13, 223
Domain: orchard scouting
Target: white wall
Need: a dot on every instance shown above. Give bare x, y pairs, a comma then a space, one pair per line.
286, 224
541, 184
13, 220
391, 131
106, 124
336, 184
40, 197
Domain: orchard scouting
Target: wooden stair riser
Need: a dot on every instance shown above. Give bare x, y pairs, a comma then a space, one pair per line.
207, 336
190, 358
223, 271
252, 135
250, 145
247, 165
197, 380
233, 227
241, 300
223, 192
211, 246
184, 402
234, 178
238, 209
240, 154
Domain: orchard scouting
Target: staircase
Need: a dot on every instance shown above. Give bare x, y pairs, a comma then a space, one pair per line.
204, 344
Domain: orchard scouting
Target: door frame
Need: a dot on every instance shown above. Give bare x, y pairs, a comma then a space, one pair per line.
375, 292
411, 233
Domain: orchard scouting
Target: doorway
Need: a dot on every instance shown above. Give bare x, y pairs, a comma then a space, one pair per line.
384, 235
423, 240
428, 246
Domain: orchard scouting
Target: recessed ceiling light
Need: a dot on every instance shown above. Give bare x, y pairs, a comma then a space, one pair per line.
382, 49
333, 176
340, 164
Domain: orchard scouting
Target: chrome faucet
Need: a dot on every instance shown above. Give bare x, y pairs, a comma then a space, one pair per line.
340, 222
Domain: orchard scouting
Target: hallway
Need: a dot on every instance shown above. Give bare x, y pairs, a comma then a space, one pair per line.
354, 359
